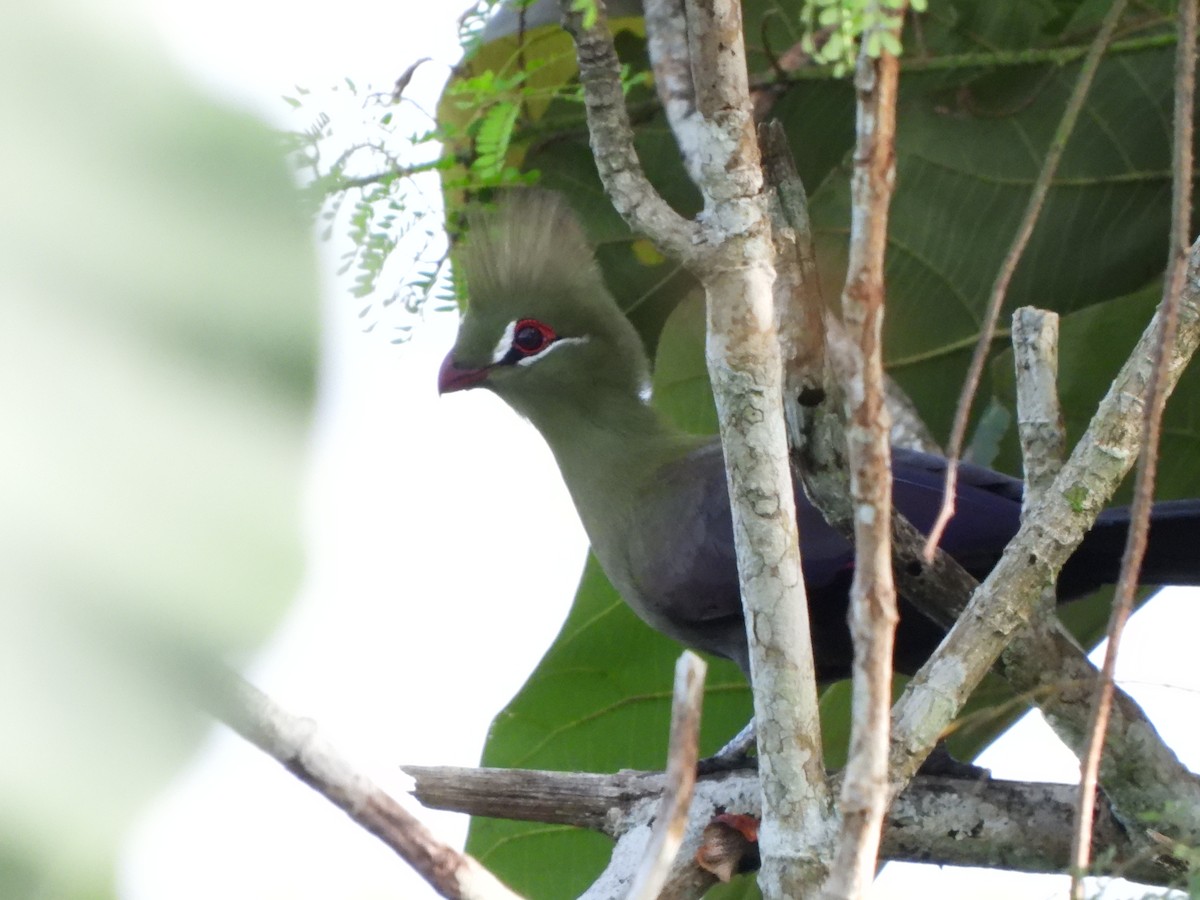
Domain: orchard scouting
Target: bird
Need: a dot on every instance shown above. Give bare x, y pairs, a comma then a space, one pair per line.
542, 331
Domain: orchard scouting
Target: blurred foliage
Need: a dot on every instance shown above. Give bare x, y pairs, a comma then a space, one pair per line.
982, 90
369, 185
833, 29
158, 287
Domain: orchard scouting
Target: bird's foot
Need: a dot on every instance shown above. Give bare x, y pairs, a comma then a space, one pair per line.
734, 755
940, 763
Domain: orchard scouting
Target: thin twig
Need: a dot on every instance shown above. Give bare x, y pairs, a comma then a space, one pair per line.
1156, 396
986, 59
1033, 209
682, 754
302, 750
873, 614
405, 78
737, 748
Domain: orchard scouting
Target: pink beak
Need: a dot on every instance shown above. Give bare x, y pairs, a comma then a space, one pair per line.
451, 378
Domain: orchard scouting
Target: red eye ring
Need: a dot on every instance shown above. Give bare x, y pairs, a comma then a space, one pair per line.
531, 336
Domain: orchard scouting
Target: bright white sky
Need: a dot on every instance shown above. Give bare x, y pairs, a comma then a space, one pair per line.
397, 648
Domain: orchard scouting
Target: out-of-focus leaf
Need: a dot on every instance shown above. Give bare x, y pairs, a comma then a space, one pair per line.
157, 356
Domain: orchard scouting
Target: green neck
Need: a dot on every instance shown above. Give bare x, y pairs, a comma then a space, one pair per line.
608, 449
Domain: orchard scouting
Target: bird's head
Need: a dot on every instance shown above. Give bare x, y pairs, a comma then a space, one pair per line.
540, 326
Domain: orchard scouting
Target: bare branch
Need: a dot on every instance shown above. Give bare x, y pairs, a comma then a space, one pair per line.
297, 744
672, 816
799, 305
612, 140
667, 44
936, 820
806, 335
1033, 209
1005, 601
737, 747
873, 613
1155, 400
745, 369
1044, 663
1039, 417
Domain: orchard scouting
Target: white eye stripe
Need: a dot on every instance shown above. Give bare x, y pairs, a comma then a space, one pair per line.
505, 345
554, 345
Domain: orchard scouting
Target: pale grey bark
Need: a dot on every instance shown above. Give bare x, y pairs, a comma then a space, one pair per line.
1005, 602
1039, 417
731, 252
936, 820
671, 817
298, 745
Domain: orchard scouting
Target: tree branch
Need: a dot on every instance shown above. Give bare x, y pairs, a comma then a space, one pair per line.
671, 818
612, 141
873, 614
808, 338
1044, 663
732, 255
667, 45
1006, 600
297, 744
943, 821
1039, 417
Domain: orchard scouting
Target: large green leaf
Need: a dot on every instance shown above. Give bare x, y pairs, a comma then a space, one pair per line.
974, 126
600, 701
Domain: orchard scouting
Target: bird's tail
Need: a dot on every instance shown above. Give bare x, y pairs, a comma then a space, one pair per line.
1172, 551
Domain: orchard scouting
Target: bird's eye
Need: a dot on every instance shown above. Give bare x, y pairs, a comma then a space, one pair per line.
531, 336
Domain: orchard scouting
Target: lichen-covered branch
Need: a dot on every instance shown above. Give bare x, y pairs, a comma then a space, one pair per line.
731, 252
1040, 425
1005, 602
1021, 826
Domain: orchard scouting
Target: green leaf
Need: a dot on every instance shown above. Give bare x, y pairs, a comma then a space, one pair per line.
599, 701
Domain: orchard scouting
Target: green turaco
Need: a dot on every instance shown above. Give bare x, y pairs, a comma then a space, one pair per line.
543, 332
